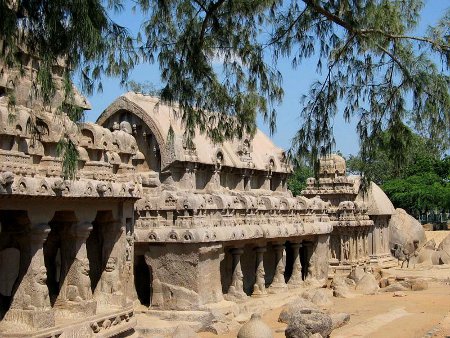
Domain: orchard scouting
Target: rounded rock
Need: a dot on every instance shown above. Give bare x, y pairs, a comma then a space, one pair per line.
255, 328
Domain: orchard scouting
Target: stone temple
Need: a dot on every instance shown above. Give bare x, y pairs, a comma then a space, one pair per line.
150, 221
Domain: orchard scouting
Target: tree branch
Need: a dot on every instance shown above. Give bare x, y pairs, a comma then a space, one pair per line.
211, 9
339, 21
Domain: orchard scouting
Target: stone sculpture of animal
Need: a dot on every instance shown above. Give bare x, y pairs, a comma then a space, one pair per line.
404, 254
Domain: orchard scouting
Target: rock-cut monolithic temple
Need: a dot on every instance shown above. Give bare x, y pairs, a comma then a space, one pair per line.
151, 221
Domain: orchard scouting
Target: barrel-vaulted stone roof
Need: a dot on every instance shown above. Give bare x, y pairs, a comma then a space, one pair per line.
258, 153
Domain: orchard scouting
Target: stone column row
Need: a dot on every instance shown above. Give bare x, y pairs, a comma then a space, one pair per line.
354, 245
236, 289
31, 300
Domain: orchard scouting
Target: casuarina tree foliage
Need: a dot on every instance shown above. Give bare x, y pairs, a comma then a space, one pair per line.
213, 57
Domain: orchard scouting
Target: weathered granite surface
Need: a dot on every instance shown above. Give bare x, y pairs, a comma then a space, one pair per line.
150, 220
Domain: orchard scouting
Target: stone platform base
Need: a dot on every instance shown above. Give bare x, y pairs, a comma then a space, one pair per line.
32, 318
74, 310
344, 269
217, 318
384, 261
103, 325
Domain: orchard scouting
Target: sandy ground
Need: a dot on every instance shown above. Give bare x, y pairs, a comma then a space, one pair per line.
418, 314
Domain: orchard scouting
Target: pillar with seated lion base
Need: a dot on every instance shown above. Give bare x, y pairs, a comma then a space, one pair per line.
31, 302
278, 283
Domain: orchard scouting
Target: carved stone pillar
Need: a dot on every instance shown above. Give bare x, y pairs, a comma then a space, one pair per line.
352, 245
110, 289
31, 302
309, 253
357, 242
236, 289
128, 273
361, 254
296, 277
76, 294
259, 289
366, 243
278, 283
267, 179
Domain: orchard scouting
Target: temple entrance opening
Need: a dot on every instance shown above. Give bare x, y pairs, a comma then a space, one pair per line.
142, 280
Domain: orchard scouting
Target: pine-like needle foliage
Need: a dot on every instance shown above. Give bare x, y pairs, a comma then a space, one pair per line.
213, 58
374, 68
211, 54
211, 61
79, 37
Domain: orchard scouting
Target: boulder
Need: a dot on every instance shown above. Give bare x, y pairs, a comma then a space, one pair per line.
404, 230
342, 292
419, 285
395, 287
307, 324
367, 285
320, 297
378, 273
357, 274
342, 281
425, 256
295, 308
339, 319
444, 249
383, 282
184, 331
255, 328
297, 331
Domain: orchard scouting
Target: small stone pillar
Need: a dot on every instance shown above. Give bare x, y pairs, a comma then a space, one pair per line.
110, 288
361, 255
259, 289
278, 283
31, 302
76, 294
366, 243
309, 253
128, 270
236, 289
267, 179
352, 245
296, 277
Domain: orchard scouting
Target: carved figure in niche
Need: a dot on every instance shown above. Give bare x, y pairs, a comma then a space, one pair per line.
79, 283
346, 247
129, 247
366, 241
360, 246
110, 281
334, 246
381, 239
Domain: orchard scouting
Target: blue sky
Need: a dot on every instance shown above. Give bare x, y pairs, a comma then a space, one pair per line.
295, 83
